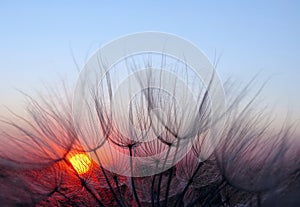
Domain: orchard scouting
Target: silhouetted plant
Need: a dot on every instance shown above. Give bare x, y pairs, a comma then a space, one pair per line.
252, 163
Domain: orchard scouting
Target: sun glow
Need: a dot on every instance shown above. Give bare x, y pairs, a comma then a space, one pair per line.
81, 163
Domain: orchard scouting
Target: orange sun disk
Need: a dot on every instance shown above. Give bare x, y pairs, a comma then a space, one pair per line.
81, 163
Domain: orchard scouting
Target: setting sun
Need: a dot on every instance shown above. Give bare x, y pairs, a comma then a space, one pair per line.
81, 163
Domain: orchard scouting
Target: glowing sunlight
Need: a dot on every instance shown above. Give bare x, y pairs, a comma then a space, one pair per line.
81, 163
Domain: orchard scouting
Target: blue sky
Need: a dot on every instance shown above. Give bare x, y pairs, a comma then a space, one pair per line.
37, 39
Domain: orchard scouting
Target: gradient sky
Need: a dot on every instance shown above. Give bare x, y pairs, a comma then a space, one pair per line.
37, 40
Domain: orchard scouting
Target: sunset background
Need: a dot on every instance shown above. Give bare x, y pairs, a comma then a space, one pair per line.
155, 144
44, 42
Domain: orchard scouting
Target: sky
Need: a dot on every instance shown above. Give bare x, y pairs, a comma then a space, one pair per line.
44, 41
